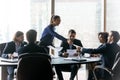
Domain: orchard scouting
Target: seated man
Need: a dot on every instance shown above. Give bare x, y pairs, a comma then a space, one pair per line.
103, 37
108, 51
70, 45
32, 46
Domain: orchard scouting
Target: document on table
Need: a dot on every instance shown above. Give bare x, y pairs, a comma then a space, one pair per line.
71, 52
15, 54
70, 58
9, 60
55, 52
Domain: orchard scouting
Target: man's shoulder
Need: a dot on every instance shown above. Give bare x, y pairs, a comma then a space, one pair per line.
77, 40
24, 49
24, 42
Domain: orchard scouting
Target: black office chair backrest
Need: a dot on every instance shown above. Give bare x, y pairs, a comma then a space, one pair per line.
117, 56
116, 70
2, 46
34, 66
109, 74
34, 55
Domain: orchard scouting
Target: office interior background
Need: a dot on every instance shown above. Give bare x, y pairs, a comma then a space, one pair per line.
87, 17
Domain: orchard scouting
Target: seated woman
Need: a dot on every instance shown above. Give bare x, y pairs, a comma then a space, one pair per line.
13, 47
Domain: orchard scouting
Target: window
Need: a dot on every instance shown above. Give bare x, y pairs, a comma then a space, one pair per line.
40, 15
14, 16
85, 16
23, 15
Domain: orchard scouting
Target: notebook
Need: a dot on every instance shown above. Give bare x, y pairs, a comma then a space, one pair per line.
79, 60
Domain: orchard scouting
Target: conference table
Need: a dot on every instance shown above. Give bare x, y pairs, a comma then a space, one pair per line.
54, 61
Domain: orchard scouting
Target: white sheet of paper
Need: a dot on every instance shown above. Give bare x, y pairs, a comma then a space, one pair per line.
51, 47
71, 52
56, 50
15, 54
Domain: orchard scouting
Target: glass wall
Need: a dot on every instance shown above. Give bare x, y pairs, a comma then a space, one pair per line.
23, 15
40, 15
84, 16
14, 16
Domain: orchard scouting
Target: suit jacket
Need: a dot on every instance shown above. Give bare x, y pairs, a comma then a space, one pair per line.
65, 46
2, 46
10, 48
30, 48
108, 51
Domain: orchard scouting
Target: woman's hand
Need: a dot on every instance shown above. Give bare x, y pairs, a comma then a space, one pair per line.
10, 56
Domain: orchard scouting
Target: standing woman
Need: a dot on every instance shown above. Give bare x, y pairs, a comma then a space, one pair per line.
13, 47
49, 33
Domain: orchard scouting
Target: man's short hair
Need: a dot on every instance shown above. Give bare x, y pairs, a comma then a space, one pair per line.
116, 36
71, 31
31, 35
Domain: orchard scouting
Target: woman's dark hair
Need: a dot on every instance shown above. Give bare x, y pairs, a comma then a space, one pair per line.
54, 17
71, 31
104, 35
17, 34
31, 36
116, 36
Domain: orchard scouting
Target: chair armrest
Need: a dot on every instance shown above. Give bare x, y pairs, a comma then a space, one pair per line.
103, 68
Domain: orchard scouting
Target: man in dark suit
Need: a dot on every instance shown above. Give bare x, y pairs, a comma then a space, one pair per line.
103, 38
12, 47
63, 53
32, 46
108, 50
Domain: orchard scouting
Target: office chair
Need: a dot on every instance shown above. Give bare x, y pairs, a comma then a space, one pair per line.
2, 46
34, 66
4, 69
114, 73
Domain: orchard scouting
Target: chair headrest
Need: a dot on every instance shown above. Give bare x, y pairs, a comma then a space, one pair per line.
36, 54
